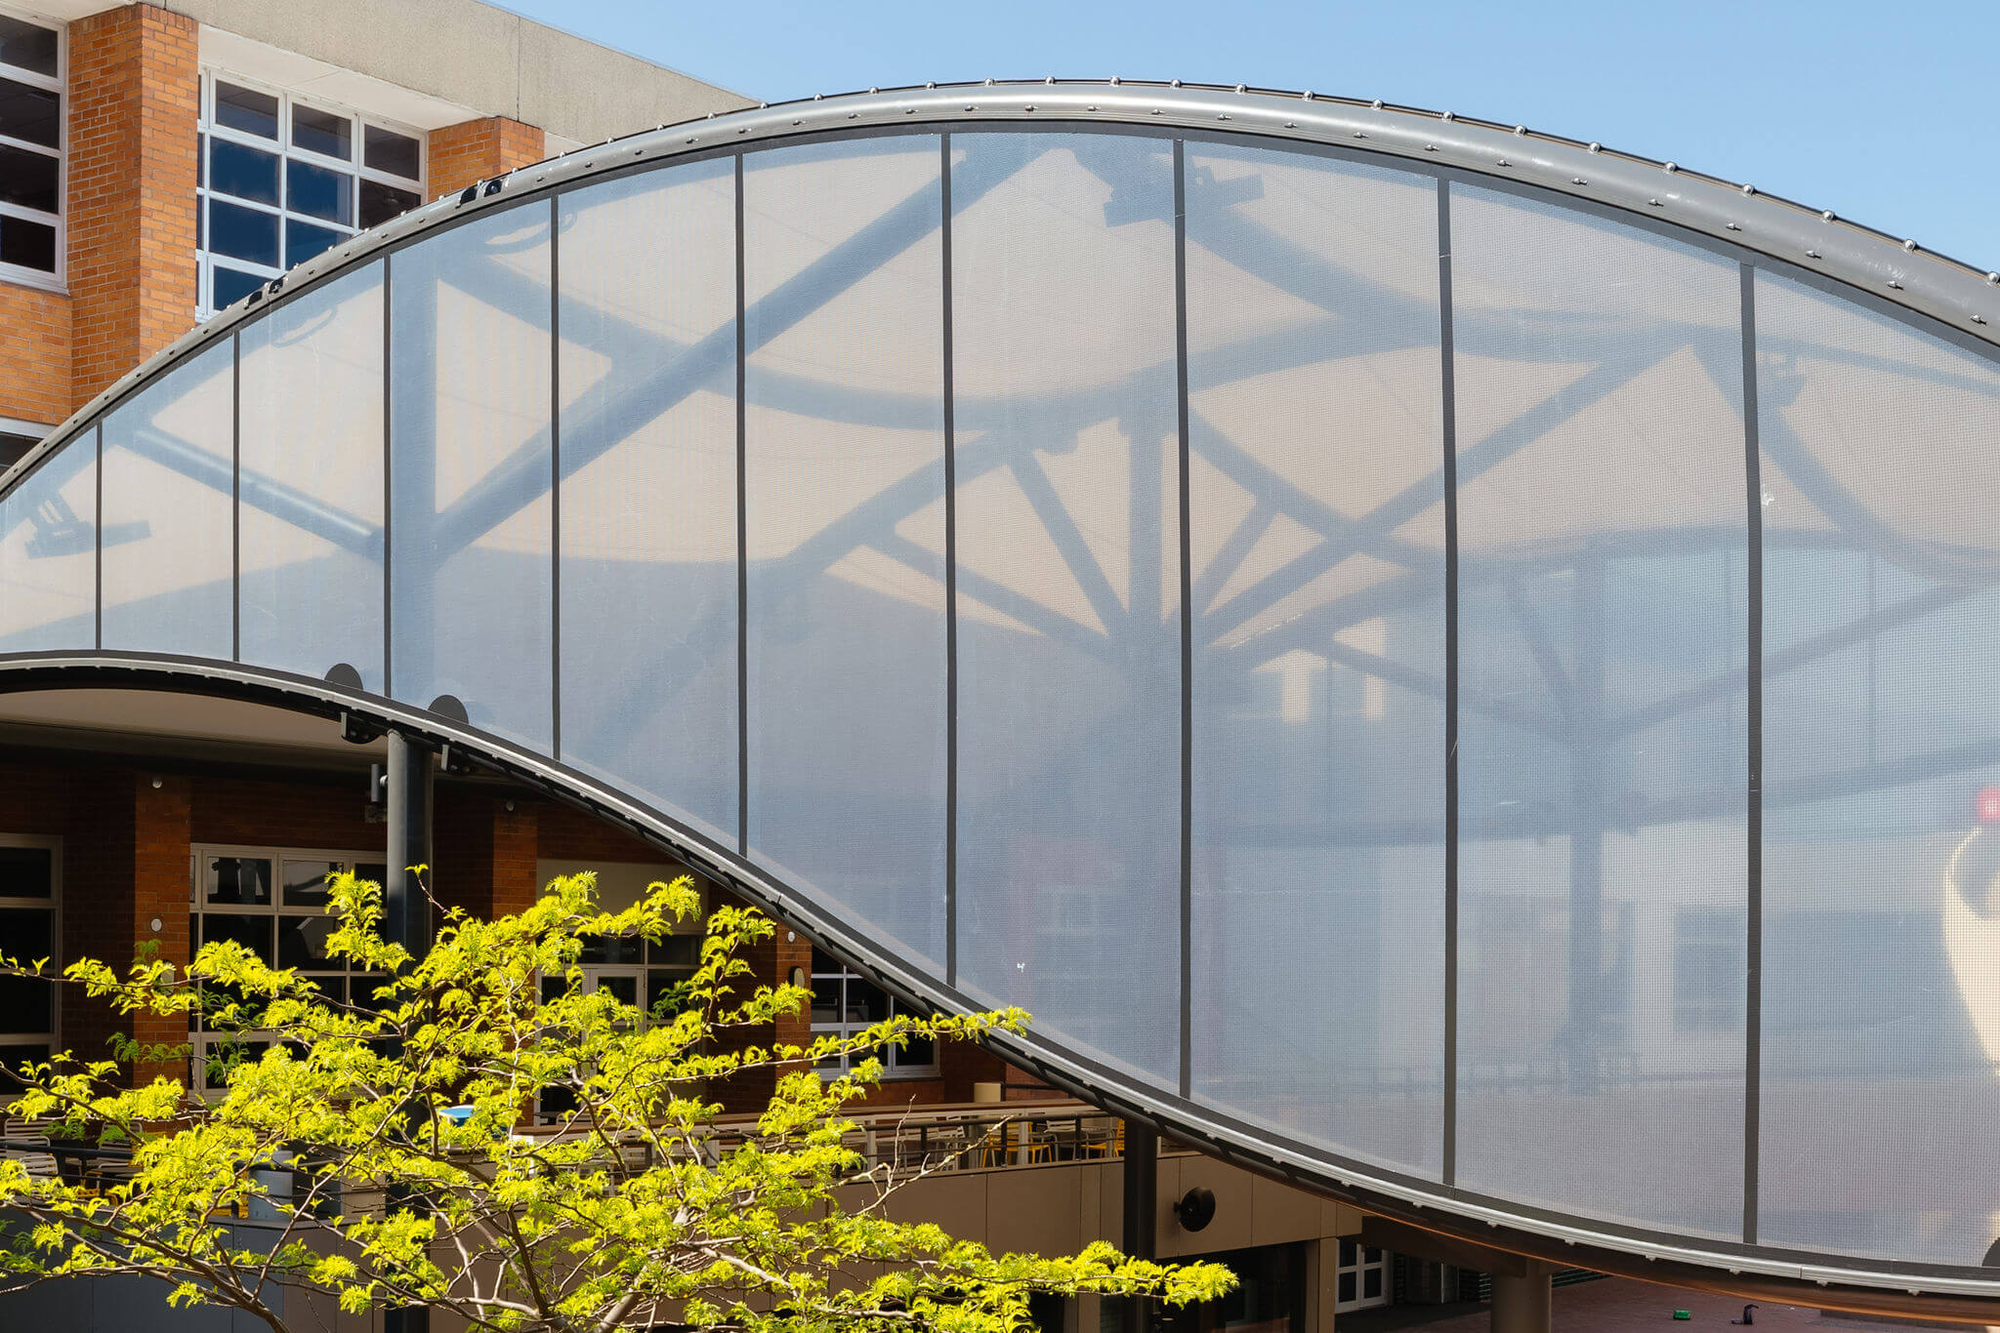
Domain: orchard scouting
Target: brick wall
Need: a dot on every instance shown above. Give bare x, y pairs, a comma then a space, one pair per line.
134, 82
34, 349
329, 813
476, 150
485, 853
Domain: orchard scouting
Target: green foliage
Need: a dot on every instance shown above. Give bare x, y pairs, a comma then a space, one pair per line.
635, 1213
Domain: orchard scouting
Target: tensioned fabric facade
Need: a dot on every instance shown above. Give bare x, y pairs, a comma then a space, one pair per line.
1463, 689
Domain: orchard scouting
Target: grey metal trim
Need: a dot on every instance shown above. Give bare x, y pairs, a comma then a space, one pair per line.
1184, 546
947, 348
1454, 1211
1903, 274
1448, 439
555, 477
1753, 718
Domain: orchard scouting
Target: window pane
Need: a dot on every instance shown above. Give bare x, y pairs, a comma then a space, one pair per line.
324, 132
917, 1053
244, 172
1318, 835
303, 240
847, 644
246, 109
380, 203
305, 882
13, 448
29, 179
239, 880
33, 115
319, 192
649, 488
826, 1000
167, 512
252, 932
29, 244
26, 872
470, 411
397, 154
48, 556
311, 507
232, 285
27, 1005
27, 46
866, 1002
12, 1057
1069, 589
614, 949
675, 951
302, 940
243, 233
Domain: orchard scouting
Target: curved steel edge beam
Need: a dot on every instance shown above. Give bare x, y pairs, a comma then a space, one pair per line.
1964, 303
1950, 1293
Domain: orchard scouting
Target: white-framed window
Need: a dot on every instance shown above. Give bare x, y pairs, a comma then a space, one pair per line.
844, 1003
1362, 1280
16, 438
284, 177
635, 971
273, 901
32, 57
30, 929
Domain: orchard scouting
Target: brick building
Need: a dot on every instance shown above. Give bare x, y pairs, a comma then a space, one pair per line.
159, 164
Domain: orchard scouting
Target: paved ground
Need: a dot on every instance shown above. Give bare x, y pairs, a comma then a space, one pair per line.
1616, 1305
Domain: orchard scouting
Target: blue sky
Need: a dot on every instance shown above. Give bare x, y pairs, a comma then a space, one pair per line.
1883, 112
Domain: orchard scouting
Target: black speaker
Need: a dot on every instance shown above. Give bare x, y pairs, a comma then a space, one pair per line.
1195, 1209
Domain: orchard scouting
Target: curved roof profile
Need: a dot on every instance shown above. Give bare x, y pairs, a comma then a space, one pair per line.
1451, 665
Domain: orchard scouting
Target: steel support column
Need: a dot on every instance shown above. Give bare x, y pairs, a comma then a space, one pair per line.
407, 909
1142, 1207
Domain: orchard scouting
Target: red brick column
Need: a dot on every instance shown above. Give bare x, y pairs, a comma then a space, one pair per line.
516, 839
476, 150
162, 820
485, 853
134, 84
771, 962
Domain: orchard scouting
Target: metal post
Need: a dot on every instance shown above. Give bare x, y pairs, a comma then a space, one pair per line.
1524, 1303
406, 909
1142, 1198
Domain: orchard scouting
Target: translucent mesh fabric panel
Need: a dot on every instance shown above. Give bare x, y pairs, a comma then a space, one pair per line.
311, 503
648, 451
168, 512
1881, 957
844, 487
48, 554
1317, 546
470, 473
1068, 589
1602, 743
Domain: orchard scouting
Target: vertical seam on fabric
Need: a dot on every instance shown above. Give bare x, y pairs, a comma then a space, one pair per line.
555, 477
950, 579
742, 552
1753, 712
1187, 624
1448, 433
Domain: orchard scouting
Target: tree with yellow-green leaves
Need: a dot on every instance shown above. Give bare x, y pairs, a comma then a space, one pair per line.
636, 1212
